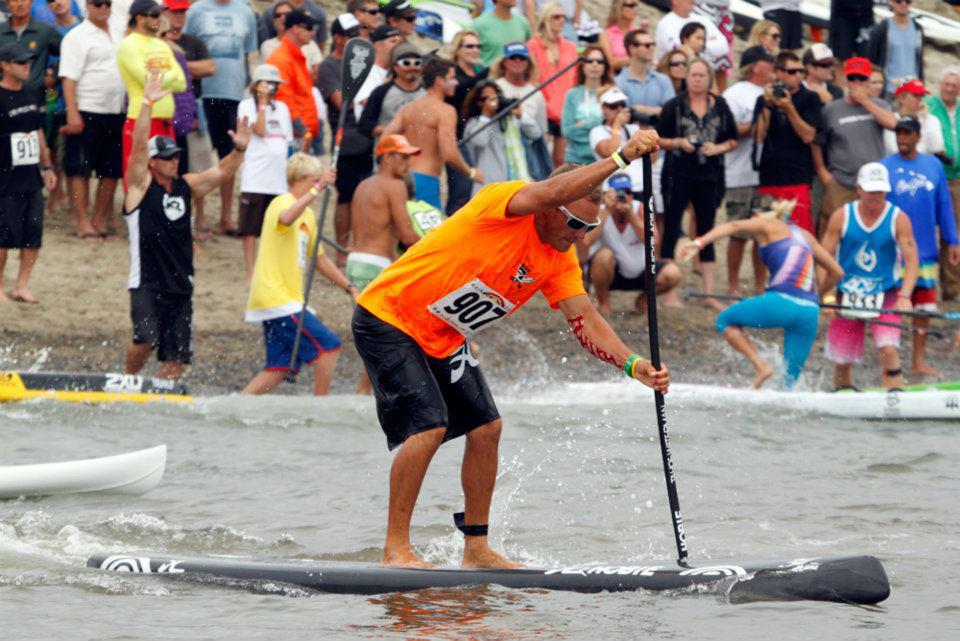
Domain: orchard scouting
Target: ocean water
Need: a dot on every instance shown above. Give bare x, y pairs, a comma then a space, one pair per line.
580, 481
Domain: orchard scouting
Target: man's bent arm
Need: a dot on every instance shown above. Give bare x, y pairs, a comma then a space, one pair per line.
573, 185
597, 337
203, 183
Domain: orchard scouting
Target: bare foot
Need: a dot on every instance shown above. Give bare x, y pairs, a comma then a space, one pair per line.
403, 558
763, 373
922, 369
24, 296
479, 555
714, 304
3, 297
604, 308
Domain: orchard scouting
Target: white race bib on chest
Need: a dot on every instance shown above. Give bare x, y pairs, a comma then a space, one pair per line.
471, 308
427, 220
25, 148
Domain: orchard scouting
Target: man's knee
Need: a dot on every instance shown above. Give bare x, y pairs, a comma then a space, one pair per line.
487, 434
669, 276
602, 266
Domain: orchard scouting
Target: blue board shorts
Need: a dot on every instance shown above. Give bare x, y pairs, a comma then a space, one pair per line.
279, 334
427, 187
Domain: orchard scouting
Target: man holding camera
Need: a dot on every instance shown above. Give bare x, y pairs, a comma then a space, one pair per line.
740, 177
788, 116
617, 258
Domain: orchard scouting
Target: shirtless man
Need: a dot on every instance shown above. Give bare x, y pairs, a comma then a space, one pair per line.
431, 124
379, 219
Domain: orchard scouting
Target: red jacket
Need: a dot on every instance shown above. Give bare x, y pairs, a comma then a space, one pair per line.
296, 91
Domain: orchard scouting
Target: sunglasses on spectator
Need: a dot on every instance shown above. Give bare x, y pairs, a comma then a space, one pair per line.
901, 1
629, 5
594, 61
857, 78
576, 224
775, 36
678, 63
646, 45
371, 12
409, 18
823, 65
406, 63
558, 16
152, 14
470, 46
102, 3
792, 72
616, 105
517, 57
281, 14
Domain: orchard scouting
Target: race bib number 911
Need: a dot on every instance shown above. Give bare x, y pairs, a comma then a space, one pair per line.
472, 307
25, 148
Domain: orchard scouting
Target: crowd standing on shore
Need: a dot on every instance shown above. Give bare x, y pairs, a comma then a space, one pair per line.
799, 125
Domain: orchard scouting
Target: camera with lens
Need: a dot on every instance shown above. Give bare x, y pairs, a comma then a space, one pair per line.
780, 89
641, 118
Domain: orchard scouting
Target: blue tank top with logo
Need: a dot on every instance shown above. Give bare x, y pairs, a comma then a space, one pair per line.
790, 261
868, 256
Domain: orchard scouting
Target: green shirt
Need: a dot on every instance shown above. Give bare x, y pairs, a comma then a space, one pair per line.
950, 137
42, 41
495, 33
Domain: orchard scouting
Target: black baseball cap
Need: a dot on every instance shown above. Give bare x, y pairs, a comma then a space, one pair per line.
383, 32
141, 7
15, 52
755, 54
908, 123
299, 17
162, 147
399, 9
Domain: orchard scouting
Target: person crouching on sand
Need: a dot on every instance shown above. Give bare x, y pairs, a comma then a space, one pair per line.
791, 299
276, 292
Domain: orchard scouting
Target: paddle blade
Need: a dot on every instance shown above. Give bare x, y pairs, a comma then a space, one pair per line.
357, 62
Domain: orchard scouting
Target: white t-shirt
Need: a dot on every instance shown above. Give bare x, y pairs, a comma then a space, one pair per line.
626, 246
931, 137
89, 56
635, 169
668, 37
378, 76
742, 99
265, 162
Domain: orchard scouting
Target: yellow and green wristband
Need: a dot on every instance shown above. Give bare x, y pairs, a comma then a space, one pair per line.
628, 366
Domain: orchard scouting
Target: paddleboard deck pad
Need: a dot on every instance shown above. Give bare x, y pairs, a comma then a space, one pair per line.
90, 388
843, 579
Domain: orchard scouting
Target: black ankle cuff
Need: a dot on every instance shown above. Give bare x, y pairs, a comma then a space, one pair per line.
459, 519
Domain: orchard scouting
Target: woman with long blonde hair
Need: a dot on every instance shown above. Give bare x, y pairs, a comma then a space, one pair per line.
552, 52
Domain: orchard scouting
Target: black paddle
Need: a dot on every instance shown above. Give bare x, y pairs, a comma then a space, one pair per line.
651, 282
356, 65
916, 330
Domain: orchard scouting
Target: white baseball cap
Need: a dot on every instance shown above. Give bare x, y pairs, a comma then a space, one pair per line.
873, 177
613, 96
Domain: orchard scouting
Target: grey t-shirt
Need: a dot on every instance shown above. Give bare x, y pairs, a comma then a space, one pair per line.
851, 138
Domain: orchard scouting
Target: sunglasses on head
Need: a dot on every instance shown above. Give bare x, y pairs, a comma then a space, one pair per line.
857, 78
577, 224
407, 63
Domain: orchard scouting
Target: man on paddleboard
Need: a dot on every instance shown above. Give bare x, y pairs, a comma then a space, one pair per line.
412, 323
871, 235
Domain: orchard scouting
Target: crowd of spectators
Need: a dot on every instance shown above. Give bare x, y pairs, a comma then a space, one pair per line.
780, 118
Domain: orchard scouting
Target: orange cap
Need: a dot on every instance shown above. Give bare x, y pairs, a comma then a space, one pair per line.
395, 143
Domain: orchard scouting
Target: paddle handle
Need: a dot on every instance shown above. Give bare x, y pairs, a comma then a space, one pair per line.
676, 517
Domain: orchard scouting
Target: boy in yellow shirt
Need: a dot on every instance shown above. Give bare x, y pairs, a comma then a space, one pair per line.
276, 291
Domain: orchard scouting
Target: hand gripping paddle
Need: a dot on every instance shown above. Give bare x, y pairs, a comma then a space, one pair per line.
356, 65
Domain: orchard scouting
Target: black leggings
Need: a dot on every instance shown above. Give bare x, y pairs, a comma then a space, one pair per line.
679, 191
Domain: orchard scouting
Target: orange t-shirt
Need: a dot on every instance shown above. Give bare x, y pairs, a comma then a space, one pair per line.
477, 267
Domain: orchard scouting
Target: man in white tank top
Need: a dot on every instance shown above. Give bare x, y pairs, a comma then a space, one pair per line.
617, 260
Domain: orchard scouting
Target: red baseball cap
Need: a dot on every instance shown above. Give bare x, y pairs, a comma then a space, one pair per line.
914, 86
395, 143
177, 5
857, 67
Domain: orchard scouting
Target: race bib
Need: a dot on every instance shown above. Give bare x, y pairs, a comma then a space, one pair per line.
25, 148
471, 308
427, 220
862, 302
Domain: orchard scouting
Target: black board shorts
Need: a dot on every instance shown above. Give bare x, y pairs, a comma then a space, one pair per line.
21, 220
416, 392
164, 321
